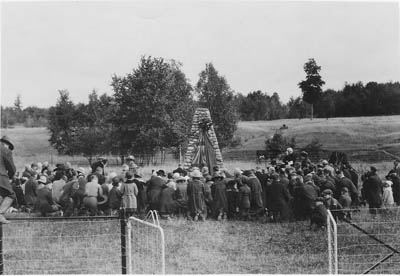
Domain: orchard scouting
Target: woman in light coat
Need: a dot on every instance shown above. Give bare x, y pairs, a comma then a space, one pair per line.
129, 192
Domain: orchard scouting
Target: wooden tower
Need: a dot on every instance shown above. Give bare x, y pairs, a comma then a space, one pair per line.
202, 137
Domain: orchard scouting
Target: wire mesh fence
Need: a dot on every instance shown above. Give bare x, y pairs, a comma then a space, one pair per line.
146, 247
369, 242
73, 246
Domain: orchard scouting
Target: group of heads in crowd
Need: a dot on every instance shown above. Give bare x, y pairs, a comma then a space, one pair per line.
284, 190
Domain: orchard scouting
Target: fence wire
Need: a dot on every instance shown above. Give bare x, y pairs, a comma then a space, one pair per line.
146, 247
369, 242
62, 247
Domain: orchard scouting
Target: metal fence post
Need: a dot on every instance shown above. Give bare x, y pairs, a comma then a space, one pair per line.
123, 244
1, 250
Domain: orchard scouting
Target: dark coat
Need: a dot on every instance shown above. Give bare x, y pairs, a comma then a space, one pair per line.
373, 191
218, 192
168, 203
114, 198
346, 182
264, 183
244, 197
256, 192
7, 170
154, 187
196, 191
30, 192
142, 196
279, 198
396, 189
45, 201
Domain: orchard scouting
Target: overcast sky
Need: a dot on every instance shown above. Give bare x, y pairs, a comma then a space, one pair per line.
256, 45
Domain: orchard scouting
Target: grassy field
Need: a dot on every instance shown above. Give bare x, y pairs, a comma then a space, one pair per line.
200, 248
362, 138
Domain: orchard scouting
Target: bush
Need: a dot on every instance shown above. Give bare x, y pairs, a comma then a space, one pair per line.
314, 148
236, 141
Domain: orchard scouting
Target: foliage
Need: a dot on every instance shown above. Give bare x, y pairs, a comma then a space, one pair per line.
82, 129
260, 106
153, 106
311, 87
278, 144
216, 95
62, 119
297, 108
314, 148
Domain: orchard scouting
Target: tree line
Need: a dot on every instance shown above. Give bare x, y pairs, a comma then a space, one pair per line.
152, 106
30, 116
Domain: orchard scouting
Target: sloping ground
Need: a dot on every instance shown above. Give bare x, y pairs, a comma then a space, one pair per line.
361, 136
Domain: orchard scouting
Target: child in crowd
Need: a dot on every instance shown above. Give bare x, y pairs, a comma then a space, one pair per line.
129, 192
115, 196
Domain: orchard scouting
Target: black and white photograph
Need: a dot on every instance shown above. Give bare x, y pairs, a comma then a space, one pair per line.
200, 137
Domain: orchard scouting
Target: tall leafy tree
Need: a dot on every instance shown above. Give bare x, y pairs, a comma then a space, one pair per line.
153, 106
62, 119
216, 95
311, 87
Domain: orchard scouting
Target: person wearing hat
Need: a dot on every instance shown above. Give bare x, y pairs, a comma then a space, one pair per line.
372, 189
343, 181
325, 165
332, 204
256, 194
130, 161
218, 192
7, 172
180, 170
45, 203
345, 201
100, 163
196, 195
181, 185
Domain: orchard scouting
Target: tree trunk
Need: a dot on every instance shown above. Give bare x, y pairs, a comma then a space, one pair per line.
312, 111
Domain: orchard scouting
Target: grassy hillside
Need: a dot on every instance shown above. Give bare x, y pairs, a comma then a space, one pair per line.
342, 134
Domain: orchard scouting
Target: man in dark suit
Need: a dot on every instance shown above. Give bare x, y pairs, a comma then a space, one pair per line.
373, 189
342, 182
7, 171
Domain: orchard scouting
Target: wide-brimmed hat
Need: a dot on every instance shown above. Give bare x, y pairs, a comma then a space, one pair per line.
81, 170
237, 171
161, 173
131, 157
196, 173
7, 141
42, 179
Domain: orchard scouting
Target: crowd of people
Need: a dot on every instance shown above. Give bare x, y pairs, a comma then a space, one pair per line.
287, 190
